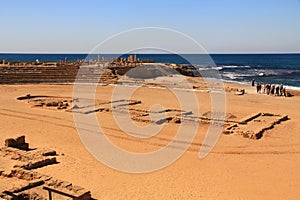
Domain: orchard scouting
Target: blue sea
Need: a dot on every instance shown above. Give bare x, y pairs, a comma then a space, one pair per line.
241, 68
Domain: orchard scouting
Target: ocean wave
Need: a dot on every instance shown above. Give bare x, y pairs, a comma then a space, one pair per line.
292, 88
202, 68
245, 82
223, 67
234, 67
278, 72
235, 75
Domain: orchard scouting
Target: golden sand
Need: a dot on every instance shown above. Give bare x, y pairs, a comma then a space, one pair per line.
237, 167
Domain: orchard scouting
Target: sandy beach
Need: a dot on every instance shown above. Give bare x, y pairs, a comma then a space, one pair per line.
150, 100
237, 168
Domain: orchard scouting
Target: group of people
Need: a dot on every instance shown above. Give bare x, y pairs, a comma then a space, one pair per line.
271, 89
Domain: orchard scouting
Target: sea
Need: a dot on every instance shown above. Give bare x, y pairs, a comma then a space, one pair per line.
241, 68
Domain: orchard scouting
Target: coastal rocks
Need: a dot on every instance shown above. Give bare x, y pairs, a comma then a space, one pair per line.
187, 70
240, 92
150, 71
236, 91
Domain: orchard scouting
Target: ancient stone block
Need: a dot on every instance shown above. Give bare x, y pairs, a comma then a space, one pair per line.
10, 142
18, 143
49, 153
40, 163
20, 140
24, 146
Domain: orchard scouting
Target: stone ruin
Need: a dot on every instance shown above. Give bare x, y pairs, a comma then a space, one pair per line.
19, 181
18, 143
123, 106
50, 102
255, 125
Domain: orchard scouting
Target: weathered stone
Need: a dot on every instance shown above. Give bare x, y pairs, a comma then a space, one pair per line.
24, 146
10, 142
18, 143
5, 197
250, 118
7, 174
177, 120
40, 163
20, 140
49, 153
39, 104
50, 104
25, 186
29, 185
16, 157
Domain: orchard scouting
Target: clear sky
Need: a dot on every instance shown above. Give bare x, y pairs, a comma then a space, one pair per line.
220, 26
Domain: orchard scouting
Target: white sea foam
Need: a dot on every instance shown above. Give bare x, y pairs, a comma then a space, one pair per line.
292, 88
235, 75
234, 66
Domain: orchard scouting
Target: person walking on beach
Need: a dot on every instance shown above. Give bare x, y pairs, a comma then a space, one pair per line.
272, 89
284, 92
258, 88
264, 88
277, 90
253, 82
268, 88
281, 90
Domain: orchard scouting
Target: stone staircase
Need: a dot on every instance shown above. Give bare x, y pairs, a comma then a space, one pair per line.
54, 74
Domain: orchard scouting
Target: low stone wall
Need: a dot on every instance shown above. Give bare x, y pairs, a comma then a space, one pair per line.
256, 131
25, 184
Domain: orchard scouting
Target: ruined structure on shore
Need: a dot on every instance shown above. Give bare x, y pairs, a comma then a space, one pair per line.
103, 71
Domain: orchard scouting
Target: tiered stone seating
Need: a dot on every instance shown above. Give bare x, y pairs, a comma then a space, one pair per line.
52, 74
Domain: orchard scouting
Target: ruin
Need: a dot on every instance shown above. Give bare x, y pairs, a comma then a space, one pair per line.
18, 143
255, 125
19, 181
87, 71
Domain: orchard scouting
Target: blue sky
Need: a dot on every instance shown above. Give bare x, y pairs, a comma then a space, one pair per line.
220, 26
